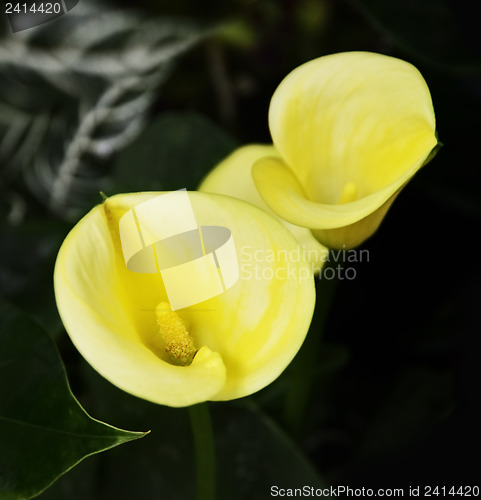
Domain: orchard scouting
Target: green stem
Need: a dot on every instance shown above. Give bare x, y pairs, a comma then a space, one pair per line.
204, 451
303, 369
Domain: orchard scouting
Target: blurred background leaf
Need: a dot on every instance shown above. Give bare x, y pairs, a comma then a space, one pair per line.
440, 32
44, 431
76, 91
174, 151
27, 257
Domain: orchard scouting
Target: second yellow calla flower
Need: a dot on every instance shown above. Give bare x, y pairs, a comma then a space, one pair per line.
226, 347
350, 130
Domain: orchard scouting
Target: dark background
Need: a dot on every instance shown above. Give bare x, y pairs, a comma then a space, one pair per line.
397, 378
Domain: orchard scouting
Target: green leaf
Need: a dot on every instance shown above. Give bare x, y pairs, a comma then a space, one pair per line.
175, 151
44, 431
161, 467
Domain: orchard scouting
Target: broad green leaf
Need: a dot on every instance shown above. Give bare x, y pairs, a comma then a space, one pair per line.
44, 431
175, 151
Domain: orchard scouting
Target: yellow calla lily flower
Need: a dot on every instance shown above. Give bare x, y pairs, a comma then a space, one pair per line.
349, 131
222, 348
352, 129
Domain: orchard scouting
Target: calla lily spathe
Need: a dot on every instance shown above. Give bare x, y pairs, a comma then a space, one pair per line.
349, 131
226, 347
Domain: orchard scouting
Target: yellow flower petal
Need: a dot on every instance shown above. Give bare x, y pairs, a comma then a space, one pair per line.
352, 128
282, 190
245, 336
232, 177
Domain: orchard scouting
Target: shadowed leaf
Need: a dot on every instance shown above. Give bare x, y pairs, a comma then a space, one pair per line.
44, 431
